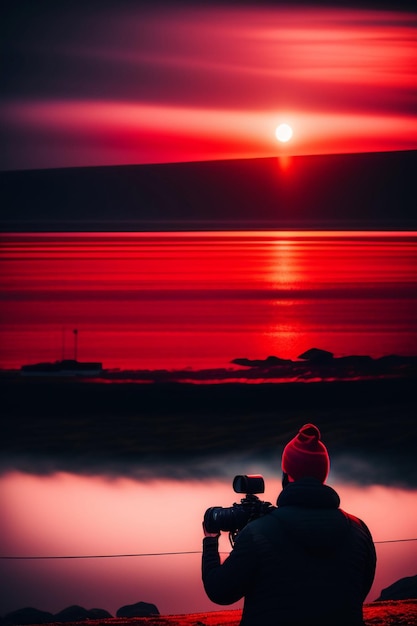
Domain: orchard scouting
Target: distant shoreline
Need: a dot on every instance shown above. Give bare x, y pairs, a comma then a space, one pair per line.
322, 366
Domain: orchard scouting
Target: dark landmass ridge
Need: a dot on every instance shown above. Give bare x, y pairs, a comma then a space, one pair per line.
368, 191
313, 365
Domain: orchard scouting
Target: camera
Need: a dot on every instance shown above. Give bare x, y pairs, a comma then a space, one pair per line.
235, 517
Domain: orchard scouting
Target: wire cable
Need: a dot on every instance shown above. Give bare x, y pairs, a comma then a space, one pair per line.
396, 540
98, 556
141, 554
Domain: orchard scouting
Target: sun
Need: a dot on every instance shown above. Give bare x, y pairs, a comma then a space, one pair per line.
283, 132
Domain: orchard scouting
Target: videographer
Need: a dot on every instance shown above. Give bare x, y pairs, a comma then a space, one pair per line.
304, 563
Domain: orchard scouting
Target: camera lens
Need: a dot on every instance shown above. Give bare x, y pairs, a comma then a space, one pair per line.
228, 519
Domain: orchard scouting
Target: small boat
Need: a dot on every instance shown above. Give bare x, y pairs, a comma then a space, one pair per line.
66, 367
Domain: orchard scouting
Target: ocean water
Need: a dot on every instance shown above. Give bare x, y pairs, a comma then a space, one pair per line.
172, 301
199, 300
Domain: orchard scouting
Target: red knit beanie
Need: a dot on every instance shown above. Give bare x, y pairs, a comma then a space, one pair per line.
306, 455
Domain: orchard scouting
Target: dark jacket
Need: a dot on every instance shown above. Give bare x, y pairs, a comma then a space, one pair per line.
305, 563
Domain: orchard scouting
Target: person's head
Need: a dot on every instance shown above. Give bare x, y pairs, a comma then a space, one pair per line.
306, 456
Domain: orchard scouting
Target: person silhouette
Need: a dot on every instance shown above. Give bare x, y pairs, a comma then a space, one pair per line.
306, 562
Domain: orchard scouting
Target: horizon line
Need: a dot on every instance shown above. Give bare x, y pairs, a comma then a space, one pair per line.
280, 157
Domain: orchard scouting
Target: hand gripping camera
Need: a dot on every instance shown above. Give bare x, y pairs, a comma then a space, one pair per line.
235, 517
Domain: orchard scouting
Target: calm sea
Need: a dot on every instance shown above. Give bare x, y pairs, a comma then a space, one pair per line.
197, 300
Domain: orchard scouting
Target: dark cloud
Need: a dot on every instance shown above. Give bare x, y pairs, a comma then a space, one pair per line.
208, 55
396, 470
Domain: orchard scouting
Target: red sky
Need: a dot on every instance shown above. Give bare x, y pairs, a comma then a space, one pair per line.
119, 82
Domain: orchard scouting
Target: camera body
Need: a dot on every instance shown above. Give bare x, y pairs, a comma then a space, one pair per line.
235, 517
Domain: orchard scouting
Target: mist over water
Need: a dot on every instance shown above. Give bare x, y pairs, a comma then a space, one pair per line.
155, 519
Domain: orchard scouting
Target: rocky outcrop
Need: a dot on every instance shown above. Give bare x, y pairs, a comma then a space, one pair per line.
403, 589
140, 609
270, 361
317, 355
28, 615
73, 613
322, 364
99, 614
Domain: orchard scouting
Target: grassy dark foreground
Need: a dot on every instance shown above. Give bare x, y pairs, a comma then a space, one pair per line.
388, 613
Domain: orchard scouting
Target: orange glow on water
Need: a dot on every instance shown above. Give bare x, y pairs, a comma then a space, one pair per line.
175, 300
